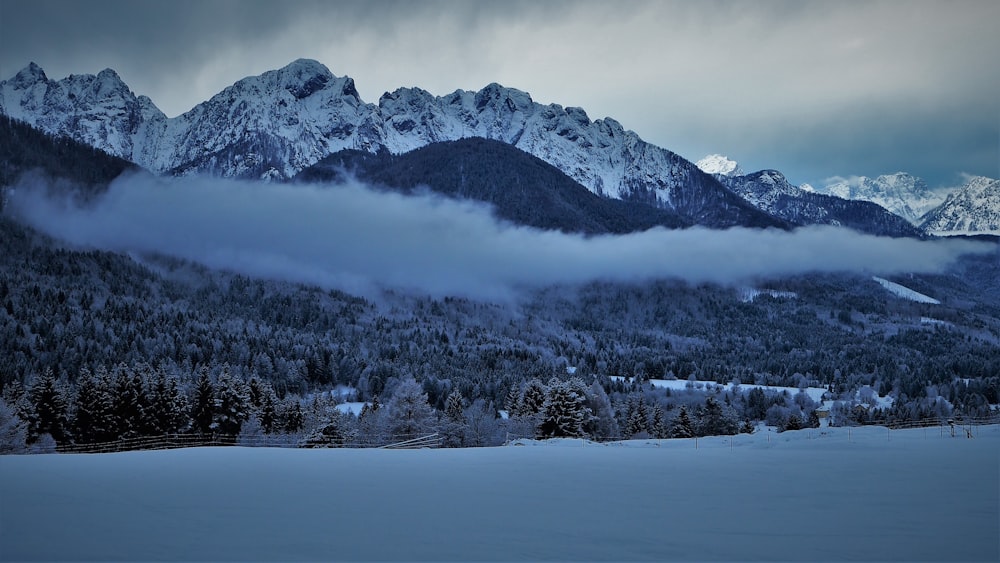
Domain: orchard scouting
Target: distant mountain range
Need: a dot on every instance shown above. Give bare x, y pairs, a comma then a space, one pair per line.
902, 193
972, 208
280, 123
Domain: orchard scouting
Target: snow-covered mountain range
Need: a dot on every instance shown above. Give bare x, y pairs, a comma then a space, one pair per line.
276, 124
904, 194
770, 191
974, 208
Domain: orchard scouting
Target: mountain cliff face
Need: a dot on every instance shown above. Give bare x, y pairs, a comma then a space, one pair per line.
901, 193
99, 111
770, 191
274, 125
974, 208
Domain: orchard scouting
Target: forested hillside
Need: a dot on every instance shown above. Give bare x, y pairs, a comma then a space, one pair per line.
523, 189
151, 344
26, 149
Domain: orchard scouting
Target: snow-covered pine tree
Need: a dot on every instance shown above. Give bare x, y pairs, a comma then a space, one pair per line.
168, 405
712, 421
268, 414
292, 415
13, 431
232, 400
658, 425
533, 398
636, 424
512, 402
333, 433
92, 417
563, 412
794, 422
453, 425
49, 406
454, 407
130, 404
203, 403
682, 426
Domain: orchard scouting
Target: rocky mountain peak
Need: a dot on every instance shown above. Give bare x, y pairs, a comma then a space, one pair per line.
719, 164
29, 75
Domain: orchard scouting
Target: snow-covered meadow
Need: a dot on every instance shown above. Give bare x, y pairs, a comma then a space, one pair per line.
830, 494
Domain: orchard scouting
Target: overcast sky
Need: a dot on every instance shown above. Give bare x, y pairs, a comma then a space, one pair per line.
814, 89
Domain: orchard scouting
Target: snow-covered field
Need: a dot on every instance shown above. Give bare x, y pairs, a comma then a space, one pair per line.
905, 292
836, 494
815, 393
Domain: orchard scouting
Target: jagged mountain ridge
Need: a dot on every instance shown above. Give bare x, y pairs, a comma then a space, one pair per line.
901, 193
770, 191
275, 124
974, 208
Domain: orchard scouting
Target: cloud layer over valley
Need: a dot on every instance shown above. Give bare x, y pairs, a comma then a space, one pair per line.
353, 238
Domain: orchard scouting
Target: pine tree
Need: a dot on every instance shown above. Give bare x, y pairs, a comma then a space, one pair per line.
453, 426
13, 431
512, 402
92, 417
637, 421
454, 409
168, 407
682, 427
563, 412
658, 424
533, 398
813, 419
794, 422
49, 406
330, 434
129, 402
712, 421
232, 400
268, 414
203, 404
293, 417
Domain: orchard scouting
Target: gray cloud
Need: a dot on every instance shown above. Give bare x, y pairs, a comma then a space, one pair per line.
804, 87
356, 239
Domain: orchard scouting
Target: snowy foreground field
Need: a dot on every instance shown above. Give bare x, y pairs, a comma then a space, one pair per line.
807, 495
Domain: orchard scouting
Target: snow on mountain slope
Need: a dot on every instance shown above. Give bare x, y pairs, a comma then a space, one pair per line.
973, 209
275, 124
901, 193
98, 110
770, 191
721, 165
905, 292
599, 154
